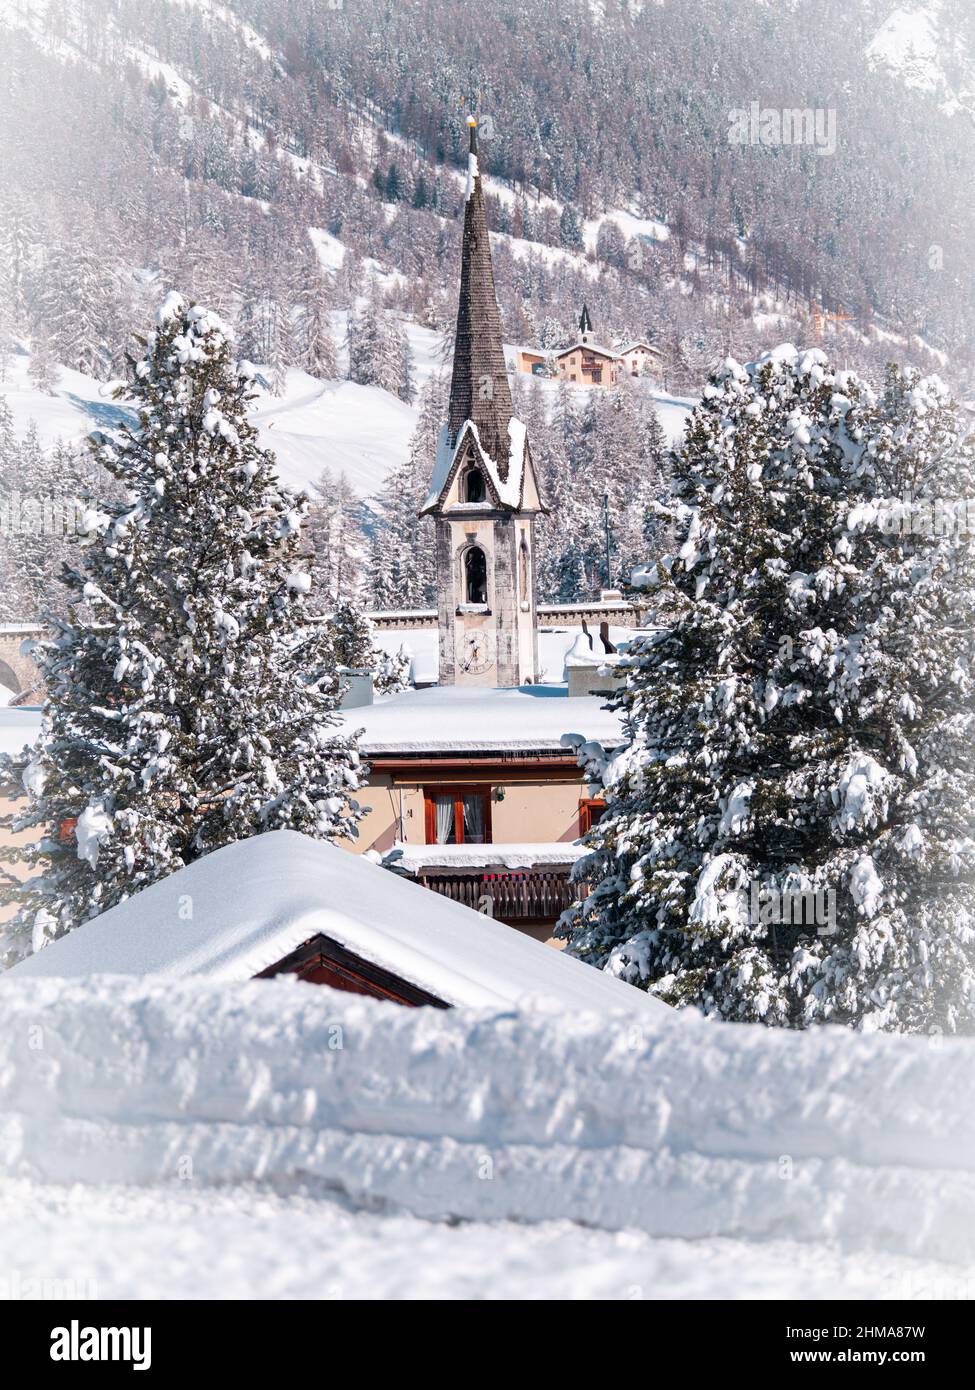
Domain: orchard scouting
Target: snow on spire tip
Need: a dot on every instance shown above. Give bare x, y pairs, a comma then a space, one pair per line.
472, 166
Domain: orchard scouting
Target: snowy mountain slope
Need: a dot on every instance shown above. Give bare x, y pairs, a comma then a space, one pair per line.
697, 1140
919, 45
360, 431
218, 124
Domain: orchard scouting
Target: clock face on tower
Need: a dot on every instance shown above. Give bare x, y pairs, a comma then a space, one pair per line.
476, 653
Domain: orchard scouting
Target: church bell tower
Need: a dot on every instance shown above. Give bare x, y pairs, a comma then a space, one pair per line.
484, 495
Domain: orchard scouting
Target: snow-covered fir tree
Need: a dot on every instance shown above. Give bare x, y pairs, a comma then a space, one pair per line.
42, 494
11, 598
803, 725
43, 371
613, 447
351, 637
353, 648
379, 351
189, 702
336, 541
265, 334
623, 461
83, 306
318, 345
402, 554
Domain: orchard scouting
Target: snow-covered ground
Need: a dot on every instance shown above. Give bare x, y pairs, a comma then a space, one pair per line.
422, 645
196, 1139
178, 1241
918, 44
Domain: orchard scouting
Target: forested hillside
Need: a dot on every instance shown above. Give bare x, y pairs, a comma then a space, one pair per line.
299, 166
195, 143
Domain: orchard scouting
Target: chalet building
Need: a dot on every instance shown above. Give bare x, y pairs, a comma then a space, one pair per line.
475, 794
530, 361
588, 364
285, 904
638, 357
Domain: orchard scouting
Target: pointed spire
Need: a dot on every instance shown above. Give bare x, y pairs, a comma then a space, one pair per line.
479, 388
585, 322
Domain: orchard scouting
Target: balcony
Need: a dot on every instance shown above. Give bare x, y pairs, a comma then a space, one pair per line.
526, 886
534, 896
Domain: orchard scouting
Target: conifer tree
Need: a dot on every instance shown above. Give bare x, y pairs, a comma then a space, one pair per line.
379, 351
402, 555
351, 637
336, 542
318, 348
789, 834
189, 703
12, 602
43, 370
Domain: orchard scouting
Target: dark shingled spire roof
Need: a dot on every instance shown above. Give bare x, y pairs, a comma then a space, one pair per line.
479, 385
585, 322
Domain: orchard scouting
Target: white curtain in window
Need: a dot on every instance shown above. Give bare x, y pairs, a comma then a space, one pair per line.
445, 820
473, 820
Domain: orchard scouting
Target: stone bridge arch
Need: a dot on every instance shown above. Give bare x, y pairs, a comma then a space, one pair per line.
18, 671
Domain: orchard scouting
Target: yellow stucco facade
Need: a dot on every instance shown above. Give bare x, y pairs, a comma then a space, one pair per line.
522, 811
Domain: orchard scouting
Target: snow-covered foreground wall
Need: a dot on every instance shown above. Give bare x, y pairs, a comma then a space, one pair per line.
694, 1129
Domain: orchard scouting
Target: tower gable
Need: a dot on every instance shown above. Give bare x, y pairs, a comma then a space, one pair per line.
517, 490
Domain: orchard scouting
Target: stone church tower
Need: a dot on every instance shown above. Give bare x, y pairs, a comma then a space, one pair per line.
484, 496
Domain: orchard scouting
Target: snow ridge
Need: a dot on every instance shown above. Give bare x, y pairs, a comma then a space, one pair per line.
688, 1128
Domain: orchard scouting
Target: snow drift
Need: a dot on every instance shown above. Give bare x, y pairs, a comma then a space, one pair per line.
684, 1129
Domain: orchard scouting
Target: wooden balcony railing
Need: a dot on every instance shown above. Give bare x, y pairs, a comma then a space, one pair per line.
531, 895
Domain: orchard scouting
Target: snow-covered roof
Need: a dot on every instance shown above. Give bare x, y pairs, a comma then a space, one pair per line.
257, 901
416, 858
590, 651
532, 718
637, 343
587, 347
524, 347
439, 719
508, 490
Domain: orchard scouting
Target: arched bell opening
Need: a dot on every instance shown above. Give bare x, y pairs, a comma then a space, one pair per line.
475, 575
474, 488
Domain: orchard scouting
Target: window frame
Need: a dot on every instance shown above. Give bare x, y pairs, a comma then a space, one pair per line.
458, 790
587, 806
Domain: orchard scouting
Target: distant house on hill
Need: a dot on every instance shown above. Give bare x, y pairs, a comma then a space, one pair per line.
587, 362
637, 356
530, 361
